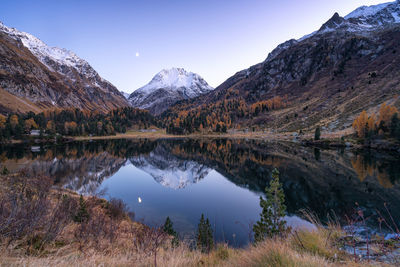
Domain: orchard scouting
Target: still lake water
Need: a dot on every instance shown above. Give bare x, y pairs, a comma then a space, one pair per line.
183, 178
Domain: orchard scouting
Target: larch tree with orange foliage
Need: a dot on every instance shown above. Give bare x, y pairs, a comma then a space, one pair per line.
386, 113
2, 122
360, 124
30, 124
387, 123
14, 120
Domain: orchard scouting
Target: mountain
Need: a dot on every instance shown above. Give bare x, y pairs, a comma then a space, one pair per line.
43, 77
126, 95
168, 87
327, 77
169, 170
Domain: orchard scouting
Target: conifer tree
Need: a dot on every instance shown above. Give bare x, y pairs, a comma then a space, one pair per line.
395, 127
82, 214
317, 134
271, 222
5, 171
169, 229
205, 241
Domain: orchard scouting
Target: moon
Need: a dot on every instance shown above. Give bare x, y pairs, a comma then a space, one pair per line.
139, 200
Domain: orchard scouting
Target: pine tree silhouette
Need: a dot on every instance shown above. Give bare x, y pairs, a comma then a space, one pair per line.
169, 229
205, 240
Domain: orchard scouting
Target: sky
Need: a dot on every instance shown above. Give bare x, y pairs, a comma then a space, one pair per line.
128, 42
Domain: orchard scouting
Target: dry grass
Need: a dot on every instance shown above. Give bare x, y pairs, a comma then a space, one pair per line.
273, 253
161, 134
323, 242
125, 243
157, 134
17, 104
232, 134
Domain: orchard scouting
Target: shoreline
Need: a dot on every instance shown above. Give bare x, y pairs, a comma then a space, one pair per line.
327, 141
163, 135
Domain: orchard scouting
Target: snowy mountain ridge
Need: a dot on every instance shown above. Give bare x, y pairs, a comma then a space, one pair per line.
361, 20
57, 77
365, 11
365, 19
43, 51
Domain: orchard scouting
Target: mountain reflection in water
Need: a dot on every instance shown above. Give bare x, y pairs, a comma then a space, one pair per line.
222, 178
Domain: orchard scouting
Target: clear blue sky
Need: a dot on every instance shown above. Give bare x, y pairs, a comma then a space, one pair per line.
212, 38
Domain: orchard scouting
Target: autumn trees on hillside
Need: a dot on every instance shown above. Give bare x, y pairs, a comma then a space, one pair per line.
74, 122
180, 119
360, 124
216, 117
276, 102
219, 116
385, 123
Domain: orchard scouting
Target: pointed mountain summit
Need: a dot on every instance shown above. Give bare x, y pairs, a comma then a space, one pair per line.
333, 23
166, 88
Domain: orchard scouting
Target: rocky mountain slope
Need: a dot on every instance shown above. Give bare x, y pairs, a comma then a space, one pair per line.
166, 88
351, 63
49, 77
126, 95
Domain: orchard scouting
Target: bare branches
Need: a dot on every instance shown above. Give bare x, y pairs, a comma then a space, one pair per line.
148, 240
23, 209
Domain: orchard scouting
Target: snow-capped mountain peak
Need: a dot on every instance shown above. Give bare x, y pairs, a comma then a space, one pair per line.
178, 79
376, 15
167, 87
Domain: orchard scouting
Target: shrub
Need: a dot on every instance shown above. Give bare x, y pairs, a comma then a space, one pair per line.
116, 208
222, 252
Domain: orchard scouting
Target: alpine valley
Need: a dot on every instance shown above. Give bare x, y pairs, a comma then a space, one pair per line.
293, 161
325, 78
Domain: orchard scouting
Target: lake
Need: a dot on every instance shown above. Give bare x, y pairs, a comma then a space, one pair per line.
222, 178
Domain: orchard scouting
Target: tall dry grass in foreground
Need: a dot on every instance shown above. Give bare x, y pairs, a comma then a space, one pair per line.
40, 226
273, 253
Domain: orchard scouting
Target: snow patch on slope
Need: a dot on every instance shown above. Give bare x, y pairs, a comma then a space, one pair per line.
126, 95
366, 11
